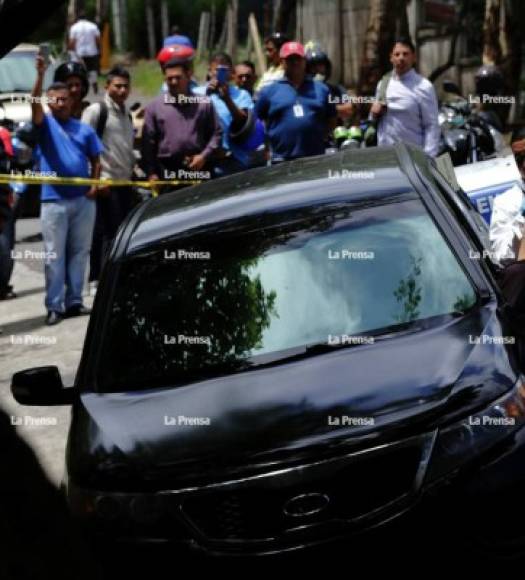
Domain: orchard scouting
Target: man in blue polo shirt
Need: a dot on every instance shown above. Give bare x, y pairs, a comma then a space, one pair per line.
234, 108
296, 109
67, 148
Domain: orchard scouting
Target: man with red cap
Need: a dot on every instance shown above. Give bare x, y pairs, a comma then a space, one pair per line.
296, 109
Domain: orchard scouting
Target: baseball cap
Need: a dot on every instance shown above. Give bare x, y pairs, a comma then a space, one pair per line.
291, 48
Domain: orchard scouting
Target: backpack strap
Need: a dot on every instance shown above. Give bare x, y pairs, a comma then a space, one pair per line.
102, 119
385, 80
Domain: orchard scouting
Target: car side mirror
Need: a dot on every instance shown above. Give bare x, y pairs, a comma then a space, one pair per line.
41, 386
451, 87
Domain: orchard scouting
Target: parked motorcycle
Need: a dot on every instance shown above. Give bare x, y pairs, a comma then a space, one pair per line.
467, 135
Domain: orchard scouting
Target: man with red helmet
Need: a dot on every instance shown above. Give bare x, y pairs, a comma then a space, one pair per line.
179, 52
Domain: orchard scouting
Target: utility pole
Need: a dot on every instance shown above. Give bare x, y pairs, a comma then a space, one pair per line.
150, 23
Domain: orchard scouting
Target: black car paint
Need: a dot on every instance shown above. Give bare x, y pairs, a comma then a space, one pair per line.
271, 425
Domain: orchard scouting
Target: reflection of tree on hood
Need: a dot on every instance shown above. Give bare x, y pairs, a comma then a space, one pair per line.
217, 302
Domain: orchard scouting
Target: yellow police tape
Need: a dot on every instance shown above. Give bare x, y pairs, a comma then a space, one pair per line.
86, 181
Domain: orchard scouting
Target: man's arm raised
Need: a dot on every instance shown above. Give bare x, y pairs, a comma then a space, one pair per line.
37, 111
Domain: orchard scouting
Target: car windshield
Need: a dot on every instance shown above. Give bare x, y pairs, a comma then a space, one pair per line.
18, 73
274, 287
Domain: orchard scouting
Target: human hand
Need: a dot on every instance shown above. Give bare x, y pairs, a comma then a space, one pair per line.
92, 193
378, 109
196, 162
41, 65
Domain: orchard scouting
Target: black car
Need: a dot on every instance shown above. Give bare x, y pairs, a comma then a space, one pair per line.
294, 355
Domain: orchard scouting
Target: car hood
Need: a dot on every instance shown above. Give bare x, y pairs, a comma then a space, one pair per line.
395, 387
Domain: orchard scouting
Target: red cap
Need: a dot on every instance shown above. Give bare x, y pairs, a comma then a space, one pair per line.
290, 48
175, 51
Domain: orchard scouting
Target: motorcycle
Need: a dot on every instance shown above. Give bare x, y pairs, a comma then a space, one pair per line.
467, 135
354, 137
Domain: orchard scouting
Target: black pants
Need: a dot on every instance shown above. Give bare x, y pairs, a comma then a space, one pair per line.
111, 212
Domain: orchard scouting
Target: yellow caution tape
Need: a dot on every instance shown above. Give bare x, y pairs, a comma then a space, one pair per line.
86, 181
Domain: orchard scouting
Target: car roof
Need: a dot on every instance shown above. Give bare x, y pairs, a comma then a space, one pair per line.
25, 47
350, 175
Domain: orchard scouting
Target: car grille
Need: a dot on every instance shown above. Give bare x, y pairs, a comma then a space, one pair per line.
345, 490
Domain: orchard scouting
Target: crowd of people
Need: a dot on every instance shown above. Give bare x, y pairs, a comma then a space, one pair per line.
191, 131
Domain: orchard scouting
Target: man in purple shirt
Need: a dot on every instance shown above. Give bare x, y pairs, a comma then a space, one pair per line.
181, 130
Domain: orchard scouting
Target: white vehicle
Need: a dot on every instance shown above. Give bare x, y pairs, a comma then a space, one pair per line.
17, 76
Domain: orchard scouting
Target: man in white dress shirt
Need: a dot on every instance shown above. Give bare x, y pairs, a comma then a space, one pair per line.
410, 113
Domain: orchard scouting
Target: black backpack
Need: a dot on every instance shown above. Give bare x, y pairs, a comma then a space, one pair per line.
103, 119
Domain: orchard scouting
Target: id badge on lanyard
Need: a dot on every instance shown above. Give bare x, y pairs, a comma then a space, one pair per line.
298, 110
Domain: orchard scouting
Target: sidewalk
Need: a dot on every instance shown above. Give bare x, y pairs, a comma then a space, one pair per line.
27, 342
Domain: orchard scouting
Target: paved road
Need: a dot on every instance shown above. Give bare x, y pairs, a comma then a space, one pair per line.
27, 342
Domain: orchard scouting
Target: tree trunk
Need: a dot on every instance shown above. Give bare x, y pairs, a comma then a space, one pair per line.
387, 20
117, 25
124, 24
213, 24
150, 23
204, 33
233, 17
224, 32
165, 18
277, 9
502, 44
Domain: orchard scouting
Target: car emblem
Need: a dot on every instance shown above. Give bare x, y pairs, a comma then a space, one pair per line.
307, 504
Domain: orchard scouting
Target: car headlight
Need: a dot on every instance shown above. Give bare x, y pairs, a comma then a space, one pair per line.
473, 435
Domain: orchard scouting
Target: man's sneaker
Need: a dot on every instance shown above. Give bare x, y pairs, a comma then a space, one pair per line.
77, 310
7, 293
53, 318
93, 288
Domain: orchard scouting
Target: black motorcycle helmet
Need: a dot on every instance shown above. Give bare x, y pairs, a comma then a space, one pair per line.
489, 80
277, 39
315, 55
72, 69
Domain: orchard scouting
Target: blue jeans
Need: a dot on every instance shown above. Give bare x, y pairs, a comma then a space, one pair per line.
67, 229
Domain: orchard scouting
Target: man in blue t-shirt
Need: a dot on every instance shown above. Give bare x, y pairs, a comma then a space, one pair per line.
67, 148
234, 108
297, 110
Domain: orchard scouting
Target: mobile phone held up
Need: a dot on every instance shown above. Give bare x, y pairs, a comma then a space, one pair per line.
45, 52
221, 74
